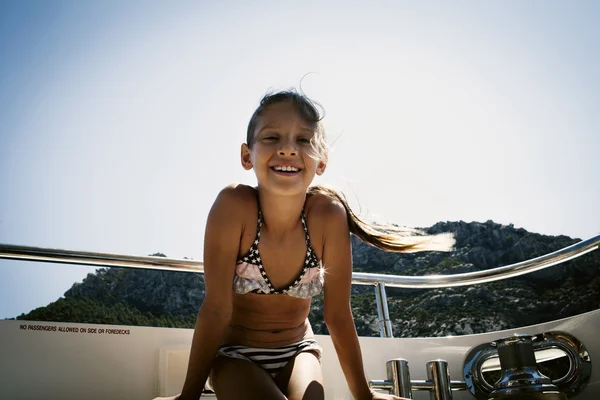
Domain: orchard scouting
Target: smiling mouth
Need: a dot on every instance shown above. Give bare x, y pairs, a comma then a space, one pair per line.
286, 169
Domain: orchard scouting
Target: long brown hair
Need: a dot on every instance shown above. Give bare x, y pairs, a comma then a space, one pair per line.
386, 237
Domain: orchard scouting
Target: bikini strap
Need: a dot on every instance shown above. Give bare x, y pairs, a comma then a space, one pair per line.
305, 226
311, 258
258, 223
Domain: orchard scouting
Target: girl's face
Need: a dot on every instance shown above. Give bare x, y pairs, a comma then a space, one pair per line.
280, 155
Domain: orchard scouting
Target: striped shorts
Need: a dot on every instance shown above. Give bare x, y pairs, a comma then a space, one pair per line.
271, 359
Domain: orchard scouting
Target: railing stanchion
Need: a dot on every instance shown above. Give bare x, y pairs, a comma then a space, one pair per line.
399, 374
383, 313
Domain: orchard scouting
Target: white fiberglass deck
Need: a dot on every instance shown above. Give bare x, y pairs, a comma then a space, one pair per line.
45, 360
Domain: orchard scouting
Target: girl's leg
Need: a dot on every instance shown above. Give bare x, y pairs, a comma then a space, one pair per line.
236, 379
302, 379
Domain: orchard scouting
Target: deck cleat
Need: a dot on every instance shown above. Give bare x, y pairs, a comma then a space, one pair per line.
520, 378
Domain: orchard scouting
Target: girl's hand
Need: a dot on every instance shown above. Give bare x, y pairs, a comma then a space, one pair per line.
380, 396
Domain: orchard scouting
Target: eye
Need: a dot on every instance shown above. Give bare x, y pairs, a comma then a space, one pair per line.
270, 138
304, 140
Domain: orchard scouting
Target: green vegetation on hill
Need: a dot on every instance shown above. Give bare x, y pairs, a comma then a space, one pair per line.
172, 299
90, 311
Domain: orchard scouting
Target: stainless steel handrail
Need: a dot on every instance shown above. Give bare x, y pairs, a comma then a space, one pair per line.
473, 278
29, 253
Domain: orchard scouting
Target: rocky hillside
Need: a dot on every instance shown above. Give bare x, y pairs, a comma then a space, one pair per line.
157, 298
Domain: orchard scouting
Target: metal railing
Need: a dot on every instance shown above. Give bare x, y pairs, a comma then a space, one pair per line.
380, 281
485, 276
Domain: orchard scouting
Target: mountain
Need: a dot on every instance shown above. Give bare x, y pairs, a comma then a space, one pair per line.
160, 298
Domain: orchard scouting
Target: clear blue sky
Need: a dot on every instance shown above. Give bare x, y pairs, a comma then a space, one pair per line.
121, 120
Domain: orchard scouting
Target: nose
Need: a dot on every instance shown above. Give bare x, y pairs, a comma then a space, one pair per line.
287, 148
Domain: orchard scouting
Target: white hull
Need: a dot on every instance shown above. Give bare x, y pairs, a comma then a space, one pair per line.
74, 363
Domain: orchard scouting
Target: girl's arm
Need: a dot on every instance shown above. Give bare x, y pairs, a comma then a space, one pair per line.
337, 259
221, 247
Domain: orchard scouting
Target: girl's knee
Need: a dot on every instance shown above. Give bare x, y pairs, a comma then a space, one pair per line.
305, 379
313, 391
241, 379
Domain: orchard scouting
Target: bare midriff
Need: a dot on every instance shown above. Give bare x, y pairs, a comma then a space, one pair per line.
268, 320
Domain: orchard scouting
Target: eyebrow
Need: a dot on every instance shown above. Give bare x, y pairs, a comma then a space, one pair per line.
275, 126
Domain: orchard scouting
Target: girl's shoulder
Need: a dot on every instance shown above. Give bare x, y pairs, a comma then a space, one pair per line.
239, 192
326, 216
325, 208
238, 199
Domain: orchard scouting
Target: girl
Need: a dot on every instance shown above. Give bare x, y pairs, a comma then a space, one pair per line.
267, 251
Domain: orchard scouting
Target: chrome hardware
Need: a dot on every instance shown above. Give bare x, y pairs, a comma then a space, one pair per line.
438, 381
399, 371
520, 375
551, 365
438, 374
383, 313
398, 379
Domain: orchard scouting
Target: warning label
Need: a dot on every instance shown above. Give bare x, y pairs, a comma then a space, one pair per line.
74, 329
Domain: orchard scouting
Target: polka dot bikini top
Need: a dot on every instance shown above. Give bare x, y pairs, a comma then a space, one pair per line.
251, 277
